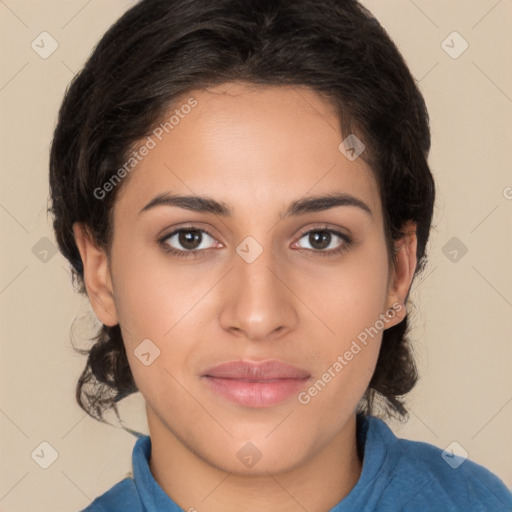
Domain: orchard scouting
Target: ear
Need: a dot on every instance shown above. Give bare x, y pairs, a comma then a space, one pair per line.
402, 273
97, 278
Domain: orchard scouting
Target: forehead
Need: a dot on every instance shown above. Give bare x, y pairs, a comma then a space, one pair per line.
247, 145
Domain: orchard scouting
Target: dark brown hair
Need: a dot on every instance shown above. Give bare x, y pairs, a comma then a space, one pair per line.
160, 50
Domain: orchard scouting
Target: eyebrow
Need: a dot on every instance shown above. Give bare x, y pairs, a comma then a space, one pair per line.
299, 207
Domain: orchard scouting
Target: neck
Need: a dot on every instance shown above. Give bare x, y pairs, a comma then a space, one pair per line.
316, 484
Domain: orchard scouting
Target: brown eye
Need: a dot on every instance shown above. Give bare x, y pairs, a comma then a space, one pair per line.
186, 241
326, 241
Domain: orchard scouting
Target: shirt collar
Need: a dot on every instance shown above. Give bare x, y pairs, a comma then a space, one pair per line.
152, 496
379, 447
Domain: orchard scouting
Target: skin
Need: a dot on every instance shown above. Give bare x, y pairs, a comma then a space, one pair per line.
256, 149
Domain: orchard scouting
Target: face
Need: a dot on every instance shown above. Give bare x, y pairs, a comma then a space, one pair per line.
250, 278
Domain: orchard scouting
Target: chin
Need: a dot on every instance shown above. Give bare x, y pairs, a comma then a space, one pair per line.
254, 458
260, 468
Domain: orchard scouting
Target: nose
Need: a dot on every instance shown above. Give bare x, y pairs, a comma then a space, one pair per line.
257, 298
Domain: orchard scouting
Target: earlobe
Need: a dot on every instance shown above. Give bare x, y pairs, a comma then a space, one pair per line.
97, 277
404, 269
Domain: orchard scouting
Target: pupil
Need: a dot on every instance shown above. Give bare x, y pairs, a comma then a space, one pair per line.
188, 239
324, 237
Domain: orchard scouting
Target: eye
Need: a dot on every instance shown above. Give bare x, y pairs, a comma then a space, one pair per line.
192, 242
186, 242
321, 239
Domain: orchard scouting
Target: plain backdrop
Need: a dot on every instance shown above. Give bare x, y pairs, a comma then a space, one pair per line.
462, 304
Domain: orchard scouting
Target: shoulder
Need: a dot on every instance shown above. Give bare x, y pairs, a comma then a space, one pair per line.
121, 497
423, 474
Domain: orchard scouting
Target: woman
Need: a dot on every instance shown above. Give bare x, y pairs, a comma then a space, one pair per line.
242, 190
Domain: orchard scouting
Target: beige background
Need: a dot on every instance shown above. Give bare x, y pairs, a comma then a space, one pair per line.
463, 308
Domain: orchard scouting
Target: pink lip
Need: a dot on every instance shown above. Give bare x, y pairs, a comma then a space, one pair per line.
256, 384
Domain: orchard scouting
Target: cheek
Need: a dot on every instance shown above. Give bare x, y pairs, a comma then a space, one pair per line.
150, 296
349, 297
349, 301
161, 301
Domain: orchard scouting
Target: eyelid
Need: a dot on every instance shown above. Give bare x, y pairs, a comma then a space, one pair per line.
302, 232
323, 227
177, 230
192, 226
337, 231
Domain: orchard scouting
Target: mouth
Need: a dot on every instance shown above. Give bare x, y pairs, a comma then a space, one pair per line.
250, 384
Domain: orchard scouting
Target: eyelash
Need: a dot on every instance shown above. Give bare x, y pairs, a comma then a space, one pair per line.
197, 253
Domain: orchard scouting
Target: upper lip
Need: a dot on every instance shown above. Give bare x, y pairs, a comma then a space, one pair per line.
249, 370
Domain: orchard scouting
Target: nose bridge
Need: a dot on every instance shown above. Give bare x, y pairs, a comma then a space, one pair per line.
256, 270
258, 302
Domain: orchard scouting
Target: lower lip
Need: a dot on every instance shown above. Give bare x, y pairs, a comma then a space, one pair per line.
255, 394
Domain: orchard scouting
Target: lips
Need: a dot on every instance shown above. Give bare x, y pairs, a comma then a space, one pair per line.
252, 384
264, 371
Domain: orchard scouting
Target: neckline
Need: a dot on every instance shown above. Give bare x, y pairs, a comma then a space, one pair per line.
374, 442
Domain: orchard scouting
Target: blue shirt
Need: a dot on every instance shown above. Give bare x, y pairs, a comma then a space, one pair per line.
398, 475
